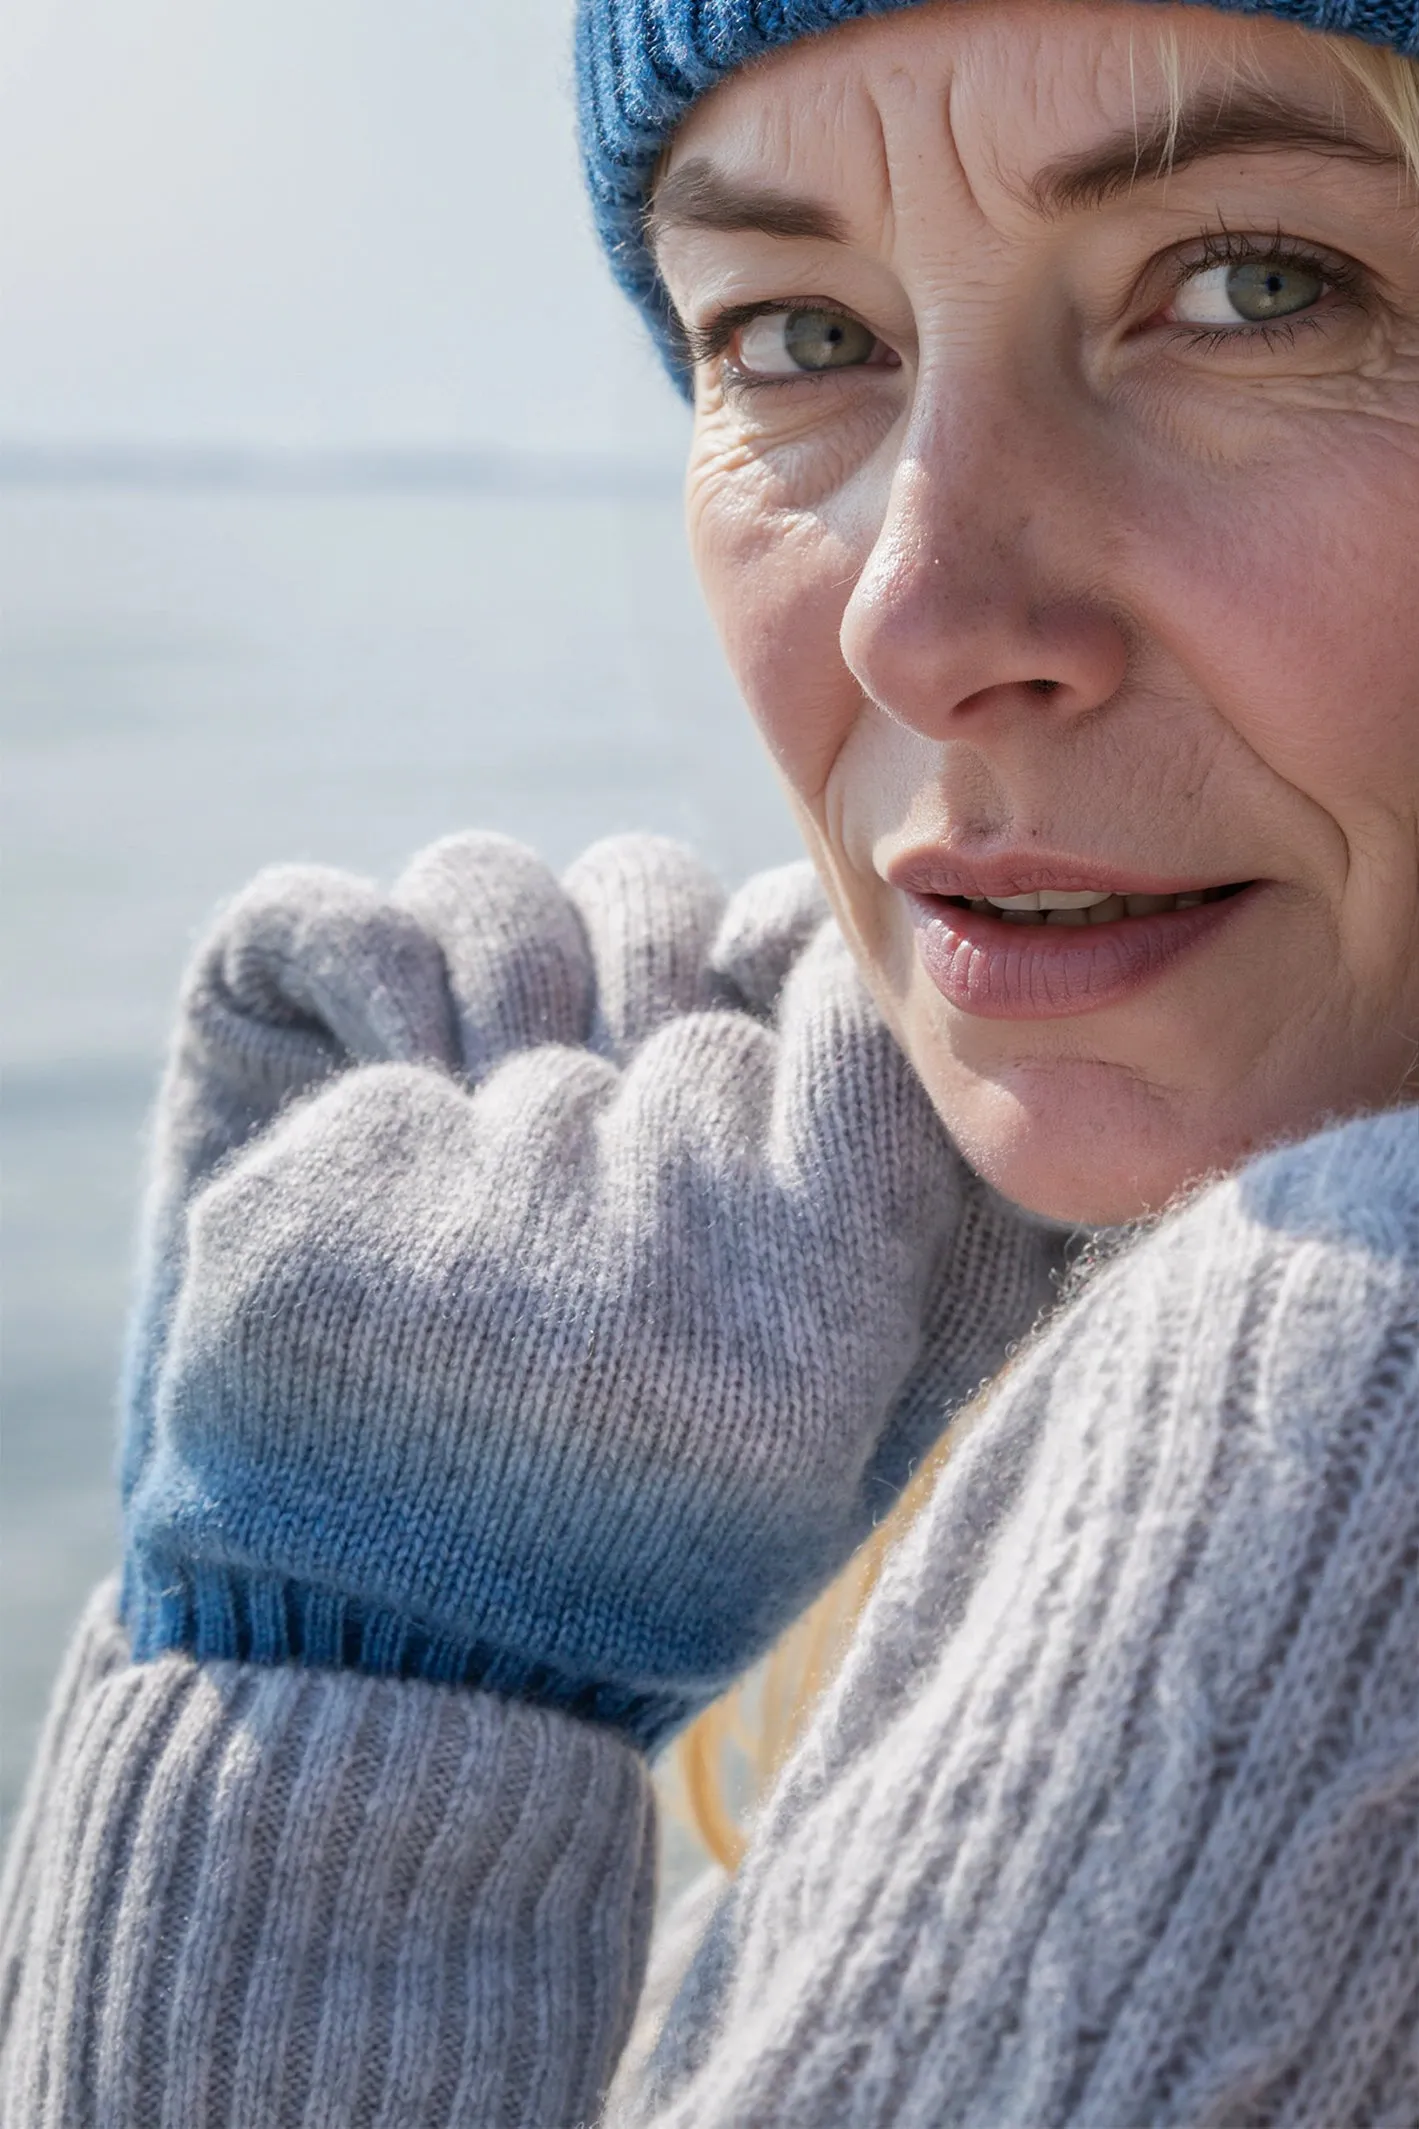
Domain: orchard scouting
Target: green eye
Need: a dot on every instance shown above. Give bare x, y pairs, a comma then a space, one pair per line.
1252, 292
1265, 288
784, 341
823, 340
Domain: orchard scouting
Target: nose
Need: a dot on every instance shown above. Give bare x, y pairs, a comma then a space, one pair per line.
979, 598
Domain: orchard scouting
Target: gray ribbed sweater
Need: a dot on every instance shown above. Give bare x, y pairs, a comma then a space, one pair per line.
1112, 1818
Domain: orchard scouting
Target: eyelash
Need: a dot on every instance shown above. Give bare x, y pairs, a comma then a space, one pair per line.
1227, 247
707, 342
1219, 247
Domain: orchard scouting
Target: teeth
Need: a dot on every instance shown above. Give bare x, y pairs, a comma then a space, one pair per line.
1048, 905
1052, 898
1049, 898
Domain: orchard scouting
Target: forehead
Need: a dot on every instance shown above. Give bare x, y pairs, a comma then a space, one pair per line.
1010, 84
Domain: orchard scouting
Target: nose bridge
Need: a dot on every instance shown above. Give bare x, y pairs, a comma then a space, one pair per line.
958, 521
979, 580
965, 512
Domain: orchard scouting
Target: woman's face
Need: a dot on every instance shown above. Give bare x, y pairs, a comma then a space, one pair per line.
1060, 516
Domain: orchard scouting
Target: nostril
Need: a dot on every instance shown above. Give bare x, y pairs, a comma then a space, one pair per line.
1042, 687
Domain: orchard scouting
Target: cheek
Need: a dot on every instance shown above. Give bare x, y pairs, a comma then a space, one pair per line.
1290, 598
777, 580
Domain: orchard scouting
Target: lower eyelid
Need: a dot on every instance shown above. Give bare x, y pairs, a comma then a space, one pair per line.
755, 380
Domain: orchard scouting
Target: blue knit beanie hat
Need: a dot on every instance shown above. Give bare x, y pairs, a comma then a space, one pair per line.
641, 63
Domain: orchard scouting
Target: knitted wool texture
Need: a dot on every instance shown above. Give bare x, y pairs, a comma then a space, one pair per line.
1112, 1819
536, 1298
1113, 1816
640, 64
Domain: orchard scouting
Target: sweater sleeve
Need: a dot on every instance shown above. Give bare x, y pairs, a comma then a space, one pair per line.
250, 1897
1113, 1816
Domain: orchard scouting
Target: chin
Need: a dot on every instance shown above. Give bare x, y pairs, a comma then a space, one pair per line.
1087, 1145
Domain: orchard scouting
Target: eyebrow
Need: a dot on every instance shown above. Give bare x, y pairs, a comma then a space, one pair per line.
698, 196
1238, 124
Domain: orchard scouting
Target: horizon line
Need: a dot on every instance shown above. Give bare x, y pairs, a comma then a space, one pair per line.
468, 469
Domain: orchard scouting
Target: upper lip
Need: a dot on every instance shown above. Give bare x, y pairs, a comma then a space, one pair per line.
1012, 872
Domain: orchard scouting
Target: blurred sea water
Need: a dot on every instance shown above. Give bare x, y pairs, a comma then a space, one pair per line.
202, 674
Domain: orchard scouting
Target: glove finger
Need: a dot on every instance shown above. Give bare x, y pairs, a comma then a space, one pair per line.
852, 1122
765, 927
305, 944
696, 1099
810, 1262
518, 965
307, 971
877, 1186
651, 910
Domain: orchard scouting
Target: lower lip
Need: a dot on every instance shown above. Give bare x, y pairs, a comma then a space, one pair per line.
1000, 971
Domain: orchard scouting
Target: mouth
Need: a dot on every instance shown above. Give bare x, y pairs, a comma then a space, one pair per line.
1008, 947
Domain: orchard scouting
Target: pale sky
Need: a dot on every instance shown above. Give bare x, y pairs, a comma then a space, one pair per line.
307, 222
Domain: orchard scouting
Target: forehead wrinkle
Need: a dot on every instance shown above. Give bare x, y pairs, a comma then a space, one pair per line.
851, 108
971, 160
914, 186
887, 232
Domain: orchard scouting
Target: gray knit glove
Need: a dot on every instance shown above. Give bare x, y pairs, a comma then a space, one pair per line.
572, 1366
